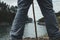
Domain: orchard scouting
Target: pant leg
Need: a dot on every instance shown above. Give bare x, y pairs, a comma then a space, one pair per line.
50, 17
18, 24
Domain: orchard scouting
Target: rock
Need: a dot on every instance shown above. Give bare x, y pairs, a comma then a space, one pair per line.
41, 23
29, 20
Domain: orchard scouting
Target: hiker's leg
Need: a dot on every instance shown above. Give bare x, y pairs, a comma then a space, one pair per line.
50, 17
19, 20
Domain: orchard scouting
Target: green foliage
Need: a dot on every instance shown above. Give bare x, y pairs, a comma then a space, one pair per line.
7, 13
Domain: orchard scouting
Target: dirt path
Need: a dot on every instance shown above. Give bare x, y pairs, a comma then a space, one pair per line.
44, 38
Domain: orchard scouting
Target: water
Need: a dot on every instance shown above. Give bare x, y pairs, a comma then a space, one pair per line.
4, 32
28, 32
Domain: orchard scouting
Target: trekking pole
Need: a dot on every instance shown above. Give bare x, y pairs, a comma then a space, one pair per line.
34, 20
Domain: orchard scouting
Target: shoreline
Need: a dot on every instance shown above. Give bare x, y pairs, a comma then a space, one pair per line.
41, 23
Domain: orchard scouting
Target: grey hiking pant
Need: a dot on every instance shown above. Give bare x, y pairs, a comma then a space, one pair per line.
18, 25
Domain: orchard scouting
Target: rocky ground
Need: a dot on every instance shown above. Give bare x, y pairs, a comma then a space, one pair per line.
44, 38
